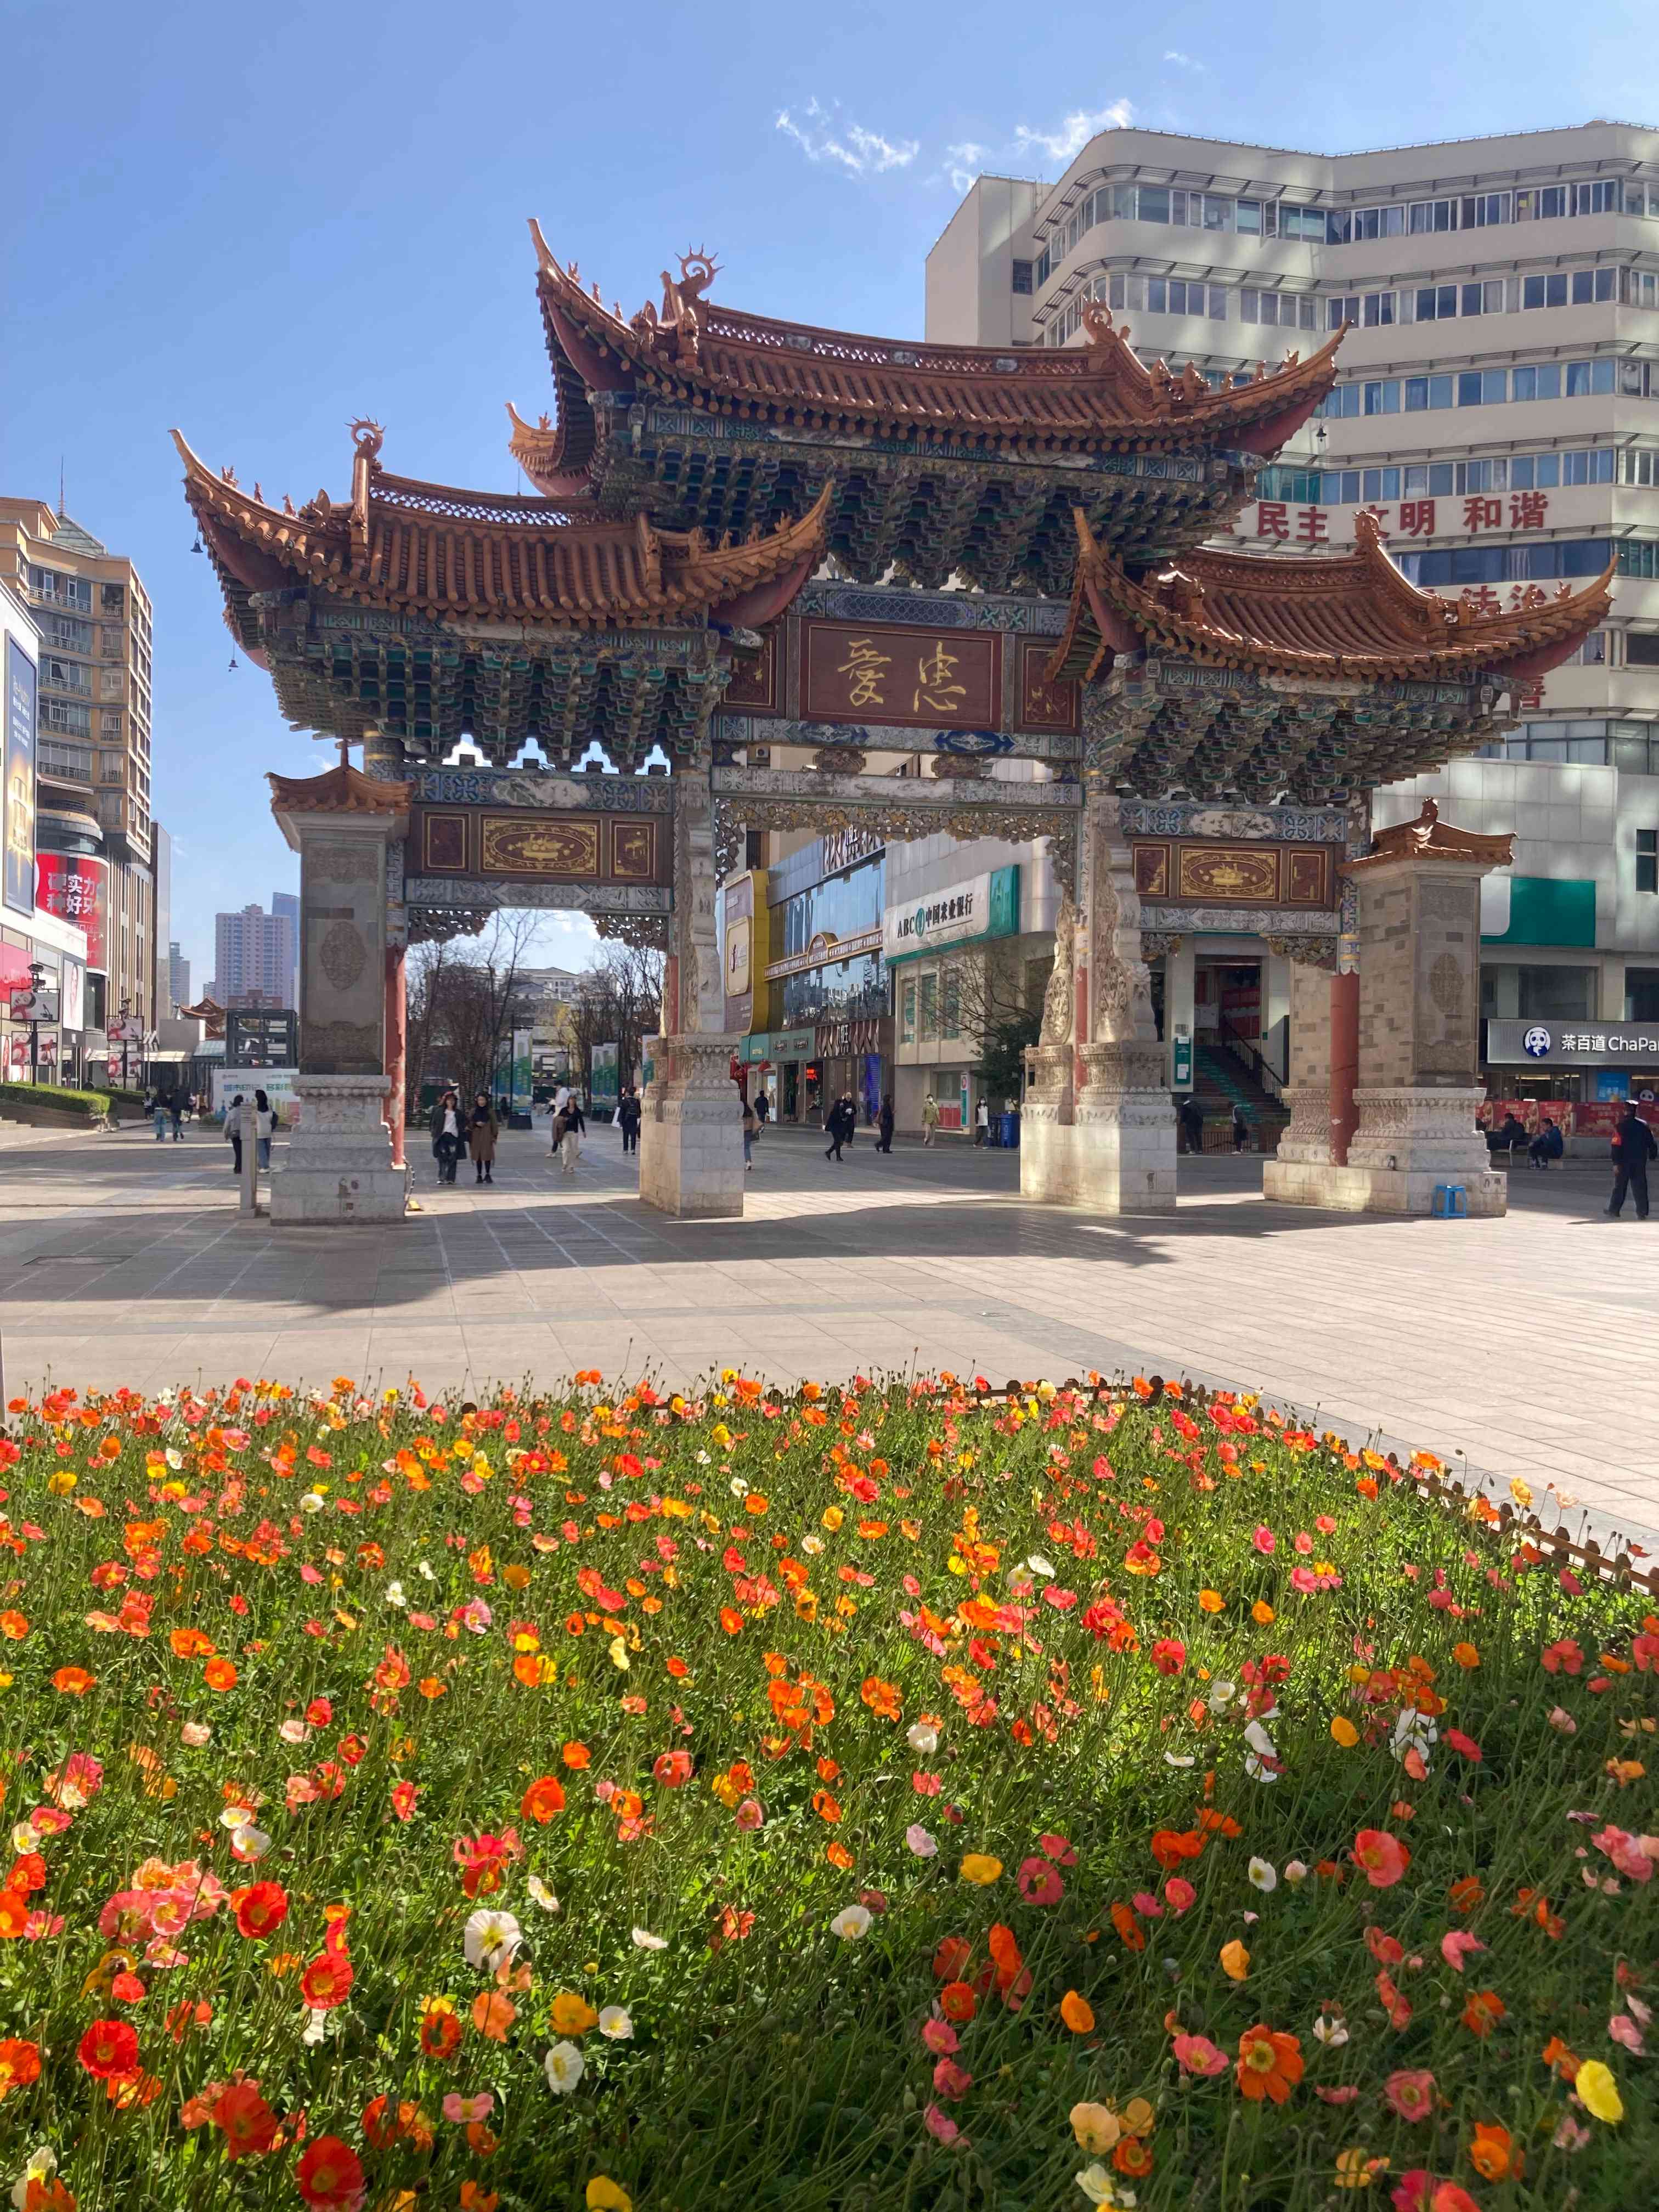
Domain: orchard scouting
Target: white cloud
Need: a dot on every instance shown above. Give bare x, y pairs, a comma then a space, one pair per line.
1074, 133
963, 163
1186, 62
822, 136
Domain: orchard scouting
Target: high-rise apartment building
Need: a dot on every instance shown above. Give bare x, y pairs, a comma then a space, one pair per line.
92, 765
253, 959
1497, 406
288, 903
178, 978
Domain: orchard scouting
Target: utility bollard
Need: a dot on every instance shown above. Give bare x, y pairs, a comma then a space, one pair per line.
250, 1204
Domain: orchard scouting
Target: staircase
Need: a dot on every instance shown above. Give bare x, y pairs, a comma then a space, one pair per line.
1218, 1079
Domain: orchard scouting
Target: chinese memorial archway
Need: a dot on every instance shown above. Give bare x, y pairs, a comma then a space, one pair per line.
766, 552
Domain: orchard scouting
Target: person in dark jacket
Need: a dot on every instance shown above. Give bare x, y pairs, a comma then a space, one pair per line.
1192, 1121
885, 1124
837, 1127
628, 1114
1633, 1148
448, 1133
481, 1130
1548, 1144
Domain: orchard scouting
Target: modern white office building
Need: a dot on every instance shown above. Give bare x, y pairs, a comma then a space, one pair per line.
1497, 406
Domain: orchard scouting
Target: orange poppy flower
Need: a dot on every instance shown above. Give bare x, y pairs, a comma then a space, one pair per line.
74, 1681
1076, 2012
1269, 2064
1131, 1934
543, 1799
1492, 2154
1483, 2011
575, 1755
219, 1674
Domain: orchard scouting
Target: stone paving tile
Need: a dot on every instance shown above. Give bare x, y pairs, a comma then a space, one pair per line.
1520, 1343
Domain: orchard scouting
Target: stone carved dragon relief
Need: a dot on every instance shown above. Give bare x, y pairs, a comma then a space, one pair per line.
1119, 982
1059, 1002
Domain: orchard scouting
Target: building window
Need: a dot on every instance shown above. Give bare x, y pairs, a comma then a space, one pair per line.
63, 715
112, 599
908, 1012
54, 587
1641, 649
929, 1013
951, 1018
1647, 859
1022, 276
65, 675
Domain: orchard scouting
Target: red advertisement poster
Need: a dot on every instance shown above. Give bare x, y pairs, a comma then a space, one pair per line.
72, 886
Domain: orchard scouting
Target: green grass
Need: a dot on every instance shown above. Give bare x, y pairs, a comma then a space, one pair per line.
574, 1586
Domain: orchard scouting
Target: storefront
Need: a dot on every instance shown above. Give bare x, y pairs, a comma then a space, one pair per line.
1578, 1074
775, 1062
937, 947
829, 979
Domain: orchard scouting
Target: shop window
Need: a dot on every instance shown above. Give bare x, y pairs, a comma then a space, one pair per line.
951, 995
928, 1002
908, 1012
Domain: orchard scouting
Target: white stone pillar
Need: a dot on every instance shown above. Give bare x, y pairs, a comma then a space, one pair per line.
1419, 1007
1298, 1172
339, 1166
691, 1125
1180, 985
1120, 1155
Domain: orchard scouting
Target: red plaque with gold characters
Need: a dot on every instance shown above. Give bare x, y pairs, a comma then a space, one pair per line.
753, 688
1043, 704
597, 847
916, 678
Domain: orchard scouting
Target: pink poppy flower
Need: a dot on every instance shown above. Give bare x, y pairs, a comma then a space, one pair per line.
1459, 1742
1410, 2093
1456, 1945
1196, 2054
1039, 1884
1147, 1905
1348, 2094
468, 2109
1411, 2192
925, 1786
1381, 1857
951, 2080
940, 2125
748, 1816
1623, 2029
940, 2038
1057, 1848
1179, 1894
1264, 1540
1562, 1721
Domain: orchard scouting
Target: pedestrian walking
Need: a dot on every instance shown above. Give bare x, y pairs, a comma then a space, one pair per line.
176, 1114
1241, 1128
628, 1114
835, 1128
1192, 1121
1633, 1148
885, 1124
233, 1132
264, 1126
570, 1141
762, 1107
156, 1106
481, 1132
447, 1134
929, 1118
750, 1131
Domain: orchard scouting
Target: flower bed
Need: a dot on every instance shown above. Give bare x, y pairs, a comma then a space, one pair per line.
873, 1797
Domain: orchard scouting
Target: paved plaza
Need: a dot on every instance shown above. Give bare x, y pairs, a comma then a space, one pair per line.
1521, 1345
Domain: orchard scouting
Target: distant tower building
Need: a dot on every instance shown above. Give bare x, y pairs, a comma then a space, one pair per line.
288, 903
178, 977
254, 958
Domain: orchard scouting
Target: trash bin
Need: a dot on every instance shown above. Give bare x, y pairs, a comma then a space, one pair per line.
1009, 1132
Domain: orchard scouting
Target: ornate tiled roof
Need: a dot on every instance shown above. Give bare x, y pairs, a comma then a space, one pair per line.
1429, 838
1326, 616
1098, 398
342, 790
454, 555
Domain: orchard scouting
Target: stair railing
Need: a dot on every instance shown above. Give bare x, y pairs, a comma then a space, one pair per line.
1247, 1051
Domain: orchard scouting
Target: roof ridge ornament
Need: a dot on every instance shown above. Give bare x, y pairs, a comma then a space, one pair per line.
368, 436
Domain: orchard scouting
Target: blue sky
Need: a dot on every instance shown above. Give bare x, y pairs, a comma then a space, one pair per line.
257, 225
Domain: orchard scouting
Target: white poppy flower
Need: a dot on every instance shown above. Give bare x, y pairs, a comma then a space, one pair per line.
1262, 1876
425, 1572
394, 1594
1222, 1695
311, 1503
43, 2164
542, 1894
646, 1941
811, 1546
923, 1740
1179, 1758
489, 1938
564, 2066
1329, 2031
851, 1923
615, 2023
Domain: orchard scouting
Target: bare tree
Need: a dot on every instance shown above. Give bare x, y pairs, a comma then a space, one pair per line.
618, 1001
1000, 1010
463, 1001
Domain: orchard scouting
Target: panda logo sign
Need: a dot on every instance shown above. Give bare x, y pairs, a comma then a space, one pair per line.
1535, 1043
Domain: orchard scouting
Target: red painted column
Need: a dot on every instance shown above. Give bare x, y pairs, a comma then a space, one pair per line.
1345, 1064
396, 1014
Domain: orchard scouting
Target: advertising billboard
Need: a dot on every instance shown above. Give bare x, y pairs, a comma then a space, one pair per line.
17, 790
607, 1074
74, 886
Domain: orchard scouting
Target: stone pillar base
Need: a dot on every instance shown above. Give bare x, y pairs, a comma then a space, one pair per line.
339, 1166
1119, 1155
691, 1131
1300, 1172
1045, 1124
1408, 1142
